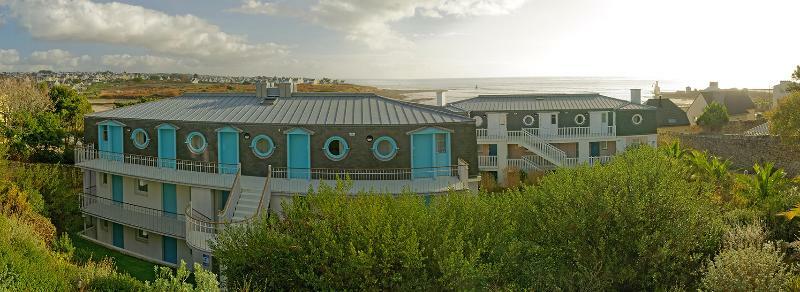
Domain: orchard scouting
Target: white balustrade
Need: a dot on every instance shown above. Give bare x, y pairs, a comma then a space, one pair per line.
487, 161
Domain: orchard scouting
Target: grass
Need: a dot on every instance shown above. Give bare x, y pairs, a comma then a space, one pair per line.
135, 267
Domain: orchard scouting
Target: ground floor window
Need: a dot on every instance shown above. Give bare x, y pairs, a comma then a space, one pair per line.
142, 235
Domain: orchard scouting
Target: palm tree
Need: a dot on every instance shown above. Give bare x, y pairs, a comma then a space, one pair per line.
676, 151
767, 180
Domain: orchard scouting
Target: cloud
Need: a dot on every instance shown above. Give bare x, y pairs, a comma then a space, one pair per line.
145, 63
8, 58
131, 25
57, 58
369, 21
255, 7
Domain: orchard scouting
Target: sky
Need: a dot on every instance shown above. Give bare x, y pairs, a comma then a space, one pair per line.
742, 42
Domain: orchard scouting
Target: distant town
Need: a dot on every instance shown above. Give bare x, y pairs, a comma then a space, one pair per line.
81, 81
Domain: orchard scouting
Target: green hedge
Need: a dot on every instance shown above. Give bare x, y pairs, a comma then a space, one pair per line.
636, 224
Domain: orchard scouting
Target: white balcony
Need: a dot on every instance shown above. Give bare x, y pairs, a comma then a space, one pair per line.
177, 171
383, 181
554, 134
487, 162
599, 160
153, 220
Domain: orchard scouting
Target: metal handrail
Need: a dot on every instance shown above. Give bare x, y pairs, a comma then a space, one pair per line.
83, 154
236, 191
152, 219
129, 204
212, 228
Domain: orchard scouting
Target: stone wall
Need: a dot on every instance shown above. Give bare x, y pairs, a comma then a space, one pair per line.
744, 151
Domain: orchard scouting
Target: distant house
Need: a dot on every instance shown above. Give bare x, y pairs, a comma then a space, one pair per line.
737, 101
667, 113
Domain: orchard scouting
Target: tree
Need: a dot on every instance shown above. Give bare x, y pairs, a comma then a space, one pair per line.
69, 105
22, 95
714, 117
784, 121
33, 136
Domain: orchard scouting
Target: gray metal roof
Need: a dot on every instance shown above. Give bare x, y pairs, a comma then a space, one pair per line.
545, 102
300, 109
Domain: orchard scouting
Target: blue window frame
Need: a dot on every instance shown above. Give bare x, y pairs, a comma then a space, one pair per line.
140, 138
196, 142
262, 146
384, 148
336, 148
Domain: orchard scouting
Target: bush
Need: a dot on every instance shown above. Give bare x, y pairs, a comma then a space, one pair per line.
784, 121
634, 224
714, 117
748, 263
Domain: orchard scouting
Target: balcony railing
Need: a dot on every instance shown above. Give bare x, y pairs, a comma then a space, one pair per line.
552, 134
389, 181
599, 160
201, 173
489, 161
153, 220
201, 231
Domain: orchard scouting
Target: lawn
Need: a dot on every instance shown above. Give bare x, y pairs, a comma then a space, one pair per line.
137, 268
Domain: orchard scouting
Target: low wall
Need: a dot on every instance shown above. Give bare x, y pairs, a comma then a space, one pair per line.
744, 151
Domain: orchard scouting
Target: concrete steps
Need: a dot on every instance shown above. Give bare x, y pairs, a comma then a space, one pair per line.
252, 188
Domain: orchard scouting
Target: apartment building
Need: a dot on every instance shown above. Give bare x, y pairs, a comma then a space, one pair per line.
544, 131
162, 179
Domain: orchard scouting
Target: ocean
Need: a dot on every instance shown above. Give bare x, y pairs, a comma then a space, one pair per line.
463, 88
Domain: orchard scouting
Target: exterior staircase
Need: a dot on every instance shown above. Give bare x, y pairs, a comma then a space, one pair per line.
249, 199
542, 148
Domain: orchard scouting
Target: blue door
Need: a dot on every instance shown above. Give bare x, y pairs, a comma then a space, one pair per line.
109, 139
228, 148
430, 153
594, 149
442, 153
166, 146
170, 249
169, 200
117, 235
299, 154
116, 189
422, 156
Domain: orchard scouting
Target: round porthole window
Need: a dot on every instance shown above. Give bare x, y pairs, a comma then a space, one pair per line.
262, 146
336, 148
140, 138
528, 120
637, 119
196, 142
580, 119
478, 121
384, 148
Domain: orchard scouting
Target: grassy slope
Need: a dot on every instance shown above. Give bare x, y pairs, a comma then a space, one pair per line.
137, 268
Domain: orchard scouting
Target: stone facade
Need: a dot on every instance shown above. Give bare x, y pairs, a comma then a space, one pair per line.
744, 151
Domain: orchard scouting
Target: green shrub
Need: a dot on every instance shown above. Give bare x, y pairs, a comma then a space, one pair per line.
635, 224
166, 280
748, 263
714, 117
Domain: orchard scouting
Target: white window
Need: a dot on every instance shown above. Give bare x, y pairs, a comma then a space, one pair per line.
604, 117
528, 120
142, 235
142, 186
637, 119
554, 119
580, 119
604, 145
105, 178
441, 143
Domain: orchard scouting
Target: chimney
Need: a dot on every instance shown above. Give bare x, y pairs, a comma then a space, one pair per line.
260, 91
441, 98
286, 89
636, 96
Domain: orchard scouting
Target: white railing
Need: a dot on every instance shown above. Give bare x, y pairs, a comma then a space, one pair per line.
233, 197
168, 170
573, 132
487, 161
389, 181
540, 147
201, 231
599, 160
484, 134
153, 220
85, 154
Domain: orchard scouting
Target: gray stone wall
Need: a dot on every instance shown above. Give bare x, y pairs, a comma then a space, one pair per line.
744, 151
463, 143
